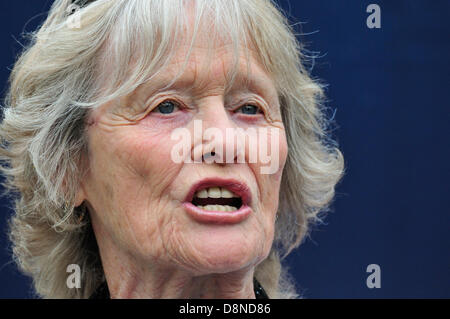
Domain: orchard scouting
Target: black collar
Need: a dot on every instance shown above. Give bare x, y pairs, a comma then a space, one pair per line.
102, 291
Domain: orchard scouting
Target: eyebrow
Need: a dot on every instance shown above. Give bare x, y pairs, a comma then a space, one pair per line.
243, 81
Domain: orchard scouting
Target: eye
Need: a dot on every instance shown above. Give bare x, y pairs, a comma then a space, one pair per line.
249, 109
167, 107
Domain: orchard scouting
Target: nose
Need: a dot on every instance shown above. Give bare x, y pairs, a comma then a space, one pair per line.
214, 135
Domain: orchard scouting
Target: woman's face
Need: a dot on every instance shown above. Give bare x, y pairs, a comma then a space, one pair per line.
143, 202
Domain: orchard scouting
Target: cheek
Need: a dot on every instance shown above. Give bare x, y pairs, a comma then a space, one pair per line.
133, 164
269, 184
272, 154
283, 152
130, 172
275, 179
146, 155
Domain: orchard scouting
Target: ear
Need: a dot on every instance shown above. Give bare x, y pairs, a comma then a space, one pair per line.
80, 196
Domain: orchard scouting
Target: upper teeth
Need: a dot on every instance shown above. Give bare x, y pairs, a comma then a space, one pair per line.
215, 192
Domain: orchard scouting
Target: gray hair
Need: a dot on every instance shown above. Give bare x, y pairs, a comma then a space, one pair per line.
60, 77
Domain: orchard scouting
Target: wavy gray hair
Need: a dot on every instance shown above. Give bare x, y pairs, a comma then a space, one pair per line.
59, 79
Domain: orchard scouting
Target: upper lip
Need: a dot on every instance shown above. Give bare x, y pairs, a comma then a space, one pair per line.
237, 187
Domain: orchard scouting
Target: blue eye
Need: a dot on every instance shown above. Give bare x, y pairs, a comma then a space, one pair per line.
167, 107
249, 109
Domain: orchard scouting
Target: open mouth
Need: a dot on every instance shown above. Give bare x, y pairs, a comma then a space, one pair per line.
218, 199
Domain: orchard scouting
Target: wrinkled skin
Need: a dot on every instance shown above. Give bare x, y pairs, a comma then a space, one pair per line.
149, 245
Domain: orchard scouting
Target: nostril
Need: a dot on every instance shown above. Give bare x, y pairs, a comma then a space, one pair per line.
208, 155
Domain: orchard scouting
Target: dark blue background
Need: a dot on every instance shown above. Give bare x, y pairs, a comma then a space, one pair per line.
390, 89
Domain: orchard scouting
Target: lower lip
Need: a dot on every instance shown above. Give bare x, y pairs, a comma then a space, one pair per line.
217, 217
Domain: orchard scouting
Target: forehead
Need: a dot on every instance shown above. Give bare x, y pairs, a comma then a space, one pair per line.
203, 65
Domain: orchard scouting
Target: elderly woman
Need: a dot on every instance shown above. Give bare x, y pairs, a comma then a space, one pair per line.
93, 164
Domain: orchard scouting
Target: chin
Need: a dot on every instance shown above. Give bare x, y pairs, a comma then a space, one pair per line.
226, 250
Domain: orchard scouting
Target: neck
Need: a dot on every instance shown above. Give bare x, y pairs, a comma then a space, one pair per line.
127, 280
179, 285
